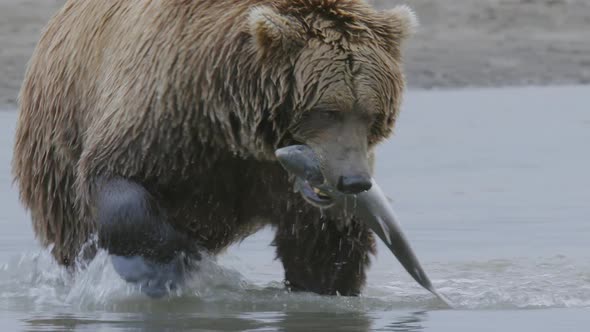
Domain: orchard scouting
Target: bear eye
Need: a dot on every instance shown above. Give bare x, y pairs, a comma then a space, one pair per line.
368, 118
331, 115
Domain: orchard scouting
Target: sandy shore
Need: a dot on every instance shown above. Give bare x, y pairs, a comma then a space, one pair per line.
460, 43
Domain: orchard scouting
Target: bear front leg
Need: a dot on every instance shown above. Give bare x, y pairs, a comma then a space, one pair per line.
143, 247
326, 255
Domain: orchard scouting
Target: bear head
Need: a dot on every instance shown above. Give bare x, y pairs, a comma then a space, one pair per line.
344, 60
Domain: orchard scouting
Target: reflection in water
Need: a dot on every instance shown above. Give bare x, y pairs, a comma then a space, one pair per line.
410, 323
255, 321
143, 322
324, 321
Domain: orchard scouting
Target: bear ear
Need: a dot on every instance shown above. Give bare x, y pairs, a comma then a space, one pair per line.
402, 20
272, 30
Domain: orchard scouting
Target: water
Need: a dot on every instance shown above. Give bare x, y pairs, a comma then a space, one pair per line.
492, 188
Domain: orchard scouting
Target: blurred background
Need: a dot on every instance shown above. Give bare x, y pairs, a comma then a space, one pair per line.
460, 43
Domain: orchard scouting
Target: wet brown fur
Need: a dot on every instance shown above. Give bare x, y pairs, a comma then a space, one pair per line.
190, 99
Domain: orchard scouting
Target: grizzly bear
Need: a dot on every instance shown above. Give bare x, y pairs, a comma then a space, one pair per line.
151, 127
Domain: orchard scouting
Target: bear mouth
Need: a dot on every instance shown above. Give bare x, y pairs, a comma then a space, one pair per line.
371, 207
319, 196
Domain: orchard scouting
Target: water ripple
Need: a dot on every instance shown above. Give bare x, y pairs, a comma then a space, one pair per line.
34, 281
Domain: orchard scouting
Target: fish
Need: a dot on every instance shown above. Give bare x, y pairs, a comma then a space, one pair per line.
372, 207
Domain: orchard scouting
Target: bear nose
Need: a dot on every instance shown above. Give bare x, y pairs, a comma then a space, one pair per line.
354, 184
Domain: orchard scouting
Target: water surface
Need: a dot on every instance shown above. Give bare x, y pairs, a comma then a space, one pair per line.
493, 190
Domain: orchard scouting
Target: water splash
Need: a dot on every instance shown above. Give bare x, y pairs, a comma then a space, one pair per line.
34, 281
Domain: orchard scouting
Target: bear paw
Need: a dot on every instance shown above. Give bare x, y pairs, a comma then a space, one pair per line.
155, 279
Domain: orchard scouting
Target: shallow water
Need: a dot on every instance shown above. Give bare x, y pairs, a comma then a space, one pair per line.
492, 188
